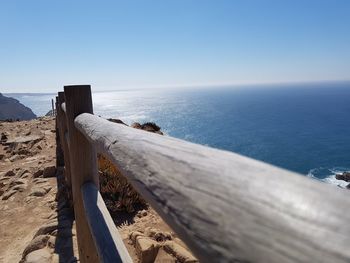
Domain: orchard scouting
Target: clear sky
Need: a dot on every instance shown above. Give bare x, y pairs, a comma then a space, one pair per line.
119, 44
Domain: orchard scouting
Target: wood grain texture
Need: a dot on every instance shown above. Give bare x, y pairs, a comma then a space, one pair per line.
62, 120
110, 246
83, 162
59, 145
66, 136
226, 207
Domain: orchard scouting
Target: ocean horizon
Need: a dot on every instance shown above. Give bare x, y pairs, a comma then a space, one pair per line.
300, 127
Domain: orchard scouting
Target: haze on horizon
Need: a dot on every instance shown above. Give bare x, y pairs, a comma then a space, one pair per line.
127, 44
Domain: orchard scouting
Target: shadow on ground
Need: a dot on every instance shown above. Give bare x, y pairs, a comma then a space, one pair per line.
64, 245
126, 218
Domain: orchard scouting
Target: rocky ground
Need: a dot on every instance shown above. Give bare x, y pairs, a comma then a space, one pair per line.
36, 221
36, 224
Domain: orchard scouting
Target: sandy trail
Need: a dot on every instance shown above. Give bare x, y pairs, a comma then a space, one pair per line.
27, 200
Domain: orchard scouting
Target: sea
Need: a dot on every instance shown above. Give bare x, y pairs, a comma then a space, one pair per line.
300, 127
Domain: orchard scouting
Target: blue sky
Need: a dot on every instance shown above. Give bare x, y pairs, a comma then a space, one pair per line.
120, 44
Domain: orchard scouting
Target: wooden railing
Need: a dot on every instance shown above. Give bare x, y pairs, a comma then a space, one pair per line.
225, 207
98, 238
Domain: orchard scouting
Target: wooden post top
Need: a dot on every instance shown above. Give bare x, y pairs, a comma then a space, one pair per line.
79, 98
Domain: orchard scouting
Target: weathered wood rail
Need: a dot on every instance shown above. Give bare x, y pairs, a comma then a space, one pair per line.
225, 207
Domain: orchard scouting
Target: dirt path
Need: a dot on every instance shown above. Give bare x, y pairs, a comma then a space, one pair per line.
28, 188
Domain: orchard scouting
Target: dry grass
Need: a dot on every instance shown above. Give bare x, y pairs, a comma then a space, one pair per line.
117, 193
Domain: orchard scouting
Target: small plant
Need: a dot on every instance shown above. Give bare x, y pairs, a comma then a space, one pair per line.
117, 193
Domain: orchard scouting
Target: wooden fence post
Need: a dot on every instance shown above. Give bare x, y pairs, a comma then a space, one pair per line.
63, 129
83, 162
53, 108
59, 150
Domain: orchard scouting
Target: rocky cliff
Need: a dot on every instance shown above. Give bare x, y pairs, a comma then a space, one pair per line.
11, 108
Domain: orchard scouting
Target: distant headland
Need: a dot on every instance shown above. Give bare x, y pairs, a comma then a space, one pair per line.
12, 109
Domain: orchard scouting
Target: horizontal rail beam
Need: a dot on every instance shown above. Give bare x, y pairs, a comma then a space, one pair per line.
109, 245
226, 207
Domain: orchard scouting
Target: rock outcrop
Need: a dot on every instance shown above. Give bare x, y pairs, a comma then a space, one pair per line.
344, 176
154, 245
147, 126
12, 109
